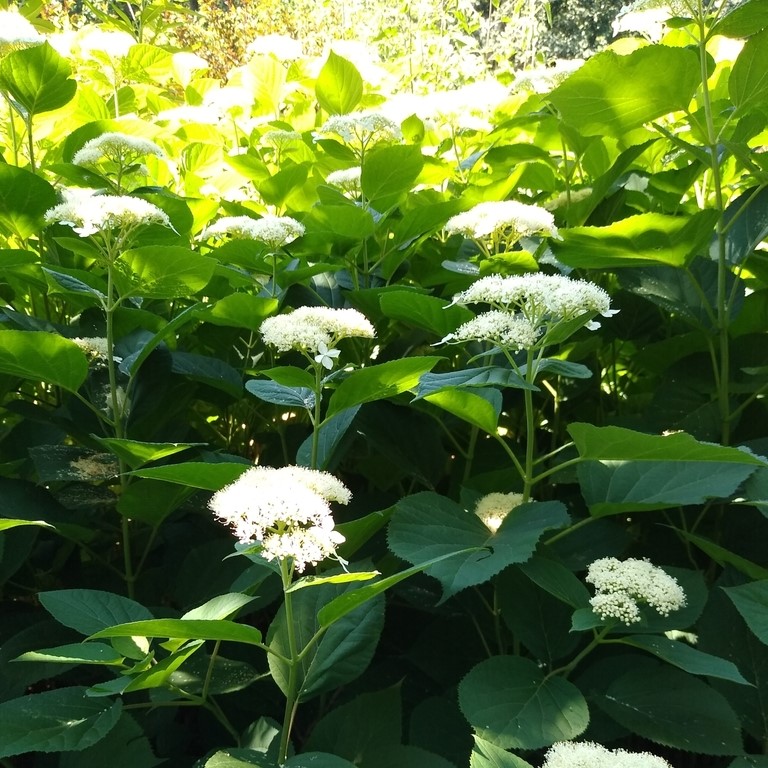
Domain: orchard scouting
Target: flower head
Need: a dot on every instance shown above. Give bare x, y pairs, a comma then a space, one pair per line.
503, 328
90, 214
281, 138
361, 128
117, 147
282, 47
287, 510
622, 586
95, 347
17, 32
587, 754
494, 507
311, 329
347, 179
507, 219
275, 231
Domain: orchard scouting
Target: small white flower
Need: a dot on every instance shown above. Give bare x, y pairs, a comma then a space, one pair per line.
508, 219
275, 231
622, 586
503, 328
361, 128
325, 356
307, 328
117, 147
17, 32
287, 510
494, 507
587, 754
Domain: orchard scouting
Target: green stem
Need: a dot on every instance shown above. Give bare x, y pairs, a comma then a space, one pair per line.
14, 137
209, 671
291, 697
568, 668
575, 527
317, 414
530, 427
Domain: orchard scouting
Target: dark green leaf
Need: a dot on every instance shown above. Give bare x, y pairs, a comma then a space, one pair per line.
185, 629
488, 755
75, 653
136, 453
751, 601
164, 272
196, 474
89, 610
744, 20
426, 312
331, 433
278, 394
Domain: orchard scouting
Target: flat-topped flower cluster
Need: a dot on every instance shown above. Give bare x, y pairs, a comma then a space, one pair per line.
117, 147
493, 508
274, 231
623, 586
286, 510
587, 754
507, 218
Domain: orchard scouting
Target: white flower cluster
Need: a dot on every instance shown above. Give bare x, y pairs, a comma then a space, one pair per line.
282, 47
648, 22
622, 586
118, 147
587, 754
314, 330
287, 510
90, 214
280, 138
502, 328
347, 179
507, 218
17, 32
94, 346
274, 231
361, 128
494, 507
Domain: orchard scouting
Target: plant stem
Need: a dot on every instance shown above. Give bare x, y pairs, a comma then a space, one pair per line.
568, 668
530, 427
316, 416
291, 698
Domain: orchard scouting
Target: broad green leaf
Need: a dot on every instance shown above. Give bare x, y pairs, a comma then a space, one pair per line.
620, 444
426, 312
136, 453
333, 221
379, 382
389, 172
342, 653
276, 189
125, 746
511, 703
60, 282
239, 310
75, 653
612, 487
278, 394
482, 409
751, 601
61, 720
750, 761
151, 501
8, 523
670, 707
486, 376
613, 94
687, 658
743, 20
148, 63
427, 525
339, 578
338, 87
748, 82
557, 367
208, 370
555, 578
291, 376
89, 610
185, 629
37, 78
164, 272
44, 357
723, 556
488, 755
219, 607
317, 760
237, 758
643, 240
746, 219
24, 199
330, 436
196, 474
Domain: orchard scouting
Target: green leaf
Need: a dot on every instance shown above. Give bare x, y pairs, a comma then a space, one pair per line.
511, 703
151, 501
24, 199
723, 556
427, 525
748, 83
275, 189
647, 239
486, 376
278, 394
378, 382
613, 94
55, 721
672, 708
37, 78
291, 376
331, 433
339, 578
8, 523
42, 356
220, 607
184, 629
488, 755
743, 20
75, 653
482, 409
136, 453
208, 370
317, 760
557, 580
237, 758
196, 474
426, 312
751, 601
239, 310
164, 272
389, 172
746, 222
687, 658
339, 86
334, 221
89, 610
